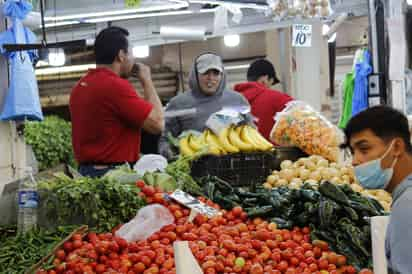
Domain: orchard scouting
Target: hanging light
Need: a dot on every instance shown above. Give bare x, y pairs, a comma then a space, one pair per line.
232, 40
141, 51
56, 57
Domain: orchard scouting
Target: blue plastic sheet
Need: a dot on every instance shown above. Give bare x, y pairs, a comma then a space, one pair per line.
22, 99
360, 94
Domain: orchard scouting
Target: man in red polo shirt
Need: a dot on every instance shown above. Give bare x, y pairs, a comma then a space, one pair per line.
106, 111
265, 102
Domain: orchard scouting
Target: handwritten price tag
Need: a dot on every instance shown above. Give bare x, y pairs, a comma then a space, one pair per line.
302, 35
193, 203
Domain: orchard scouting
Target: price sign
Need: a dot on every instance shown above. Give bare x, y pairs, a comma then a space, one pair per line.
193, 203
302, 35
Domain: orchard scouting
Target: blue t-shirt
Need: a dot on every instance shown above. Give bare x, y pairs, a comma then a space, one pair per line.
399, 231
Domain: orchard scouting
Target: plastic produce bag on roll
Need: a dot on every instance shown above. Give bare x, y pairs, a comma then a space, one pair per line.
301, 126
148, 220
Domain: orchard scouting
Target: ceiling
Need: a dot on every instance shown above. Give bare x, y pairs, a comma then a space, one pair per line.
83, 19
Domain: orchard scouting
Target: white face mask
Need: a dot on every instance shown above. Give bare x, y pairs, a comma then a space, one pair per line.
371, 175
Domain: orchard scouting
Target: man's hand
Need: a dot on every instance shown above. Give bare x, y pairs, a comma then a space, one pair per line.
142, 72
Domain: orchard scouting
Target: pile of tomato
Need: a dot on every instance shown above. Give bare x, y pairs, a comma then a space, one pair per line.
230, 243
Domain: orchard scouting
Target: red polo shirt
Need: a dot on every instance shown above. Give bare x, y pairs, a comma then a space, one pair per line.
107, 116
265, 103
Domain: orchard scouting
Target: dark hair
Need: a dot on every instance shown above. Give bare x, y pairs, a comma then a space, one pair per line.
108, 43
261, 67
385, 122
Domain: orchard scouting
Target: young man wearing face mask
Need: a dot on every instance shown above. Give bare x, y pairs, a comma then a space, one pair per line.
379, 139
265, 101
106, 111
208, 94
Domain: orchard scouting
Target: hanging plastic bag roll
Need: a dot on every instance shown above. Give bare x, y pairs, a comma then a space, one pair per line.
197, 33
379, 225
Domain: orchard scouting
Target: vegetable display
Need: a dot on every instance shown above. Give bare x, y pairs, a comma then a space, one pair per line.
51, 141
315, 169
336, 214
230, 243
19, 252
230, 140
99, 203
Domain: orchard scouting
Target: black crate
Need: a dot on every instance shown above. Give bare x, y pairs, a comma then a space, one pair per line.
243, 169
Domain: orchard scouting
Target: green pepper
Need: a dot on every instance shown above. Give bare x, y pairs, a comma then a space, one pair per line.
259, 211
309, 195
249, 202
211, 190
333, 192
351, 213
325, 210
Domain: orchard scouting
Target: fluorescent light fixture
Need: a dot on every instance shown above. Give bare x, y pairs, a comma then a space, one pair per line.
65, 69
409, 2
237, 67
178, 5
141, 51
232, 40
60, 24
325, 32
56, 57
240, 5
145, 15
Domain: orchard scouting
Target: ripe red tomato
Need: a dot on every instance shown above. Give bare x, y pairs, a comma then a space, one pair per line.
60, 254
139, 267
140, 183
148, 190
282, 266
237, 211
77, 244
77, 237
323, 264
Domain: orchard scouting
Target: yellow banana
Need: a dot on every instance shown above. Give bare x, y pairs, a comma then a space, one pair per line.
266, 145
213, 143
246, 137
194, 143
185, 148
235, 139
225, 142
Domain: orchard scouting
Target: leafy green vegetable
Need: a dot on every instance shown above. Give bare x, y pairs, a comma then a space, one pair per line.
51, 141
180, 171
99, 203
123, 174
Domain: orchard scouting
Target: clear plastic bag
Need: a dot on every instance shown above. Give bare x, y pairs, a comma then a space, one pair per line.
148, 220
301, 126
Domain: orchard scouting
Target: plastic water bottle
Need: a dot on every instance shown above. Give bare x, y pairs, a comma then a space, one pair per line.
28, 201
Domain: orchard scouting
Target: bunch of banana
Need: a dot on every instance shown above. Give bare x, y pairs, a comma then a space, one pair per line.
230, 140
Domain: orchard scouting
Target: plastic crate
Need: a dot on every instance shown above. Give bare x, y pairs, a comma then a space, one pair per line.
243, 169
